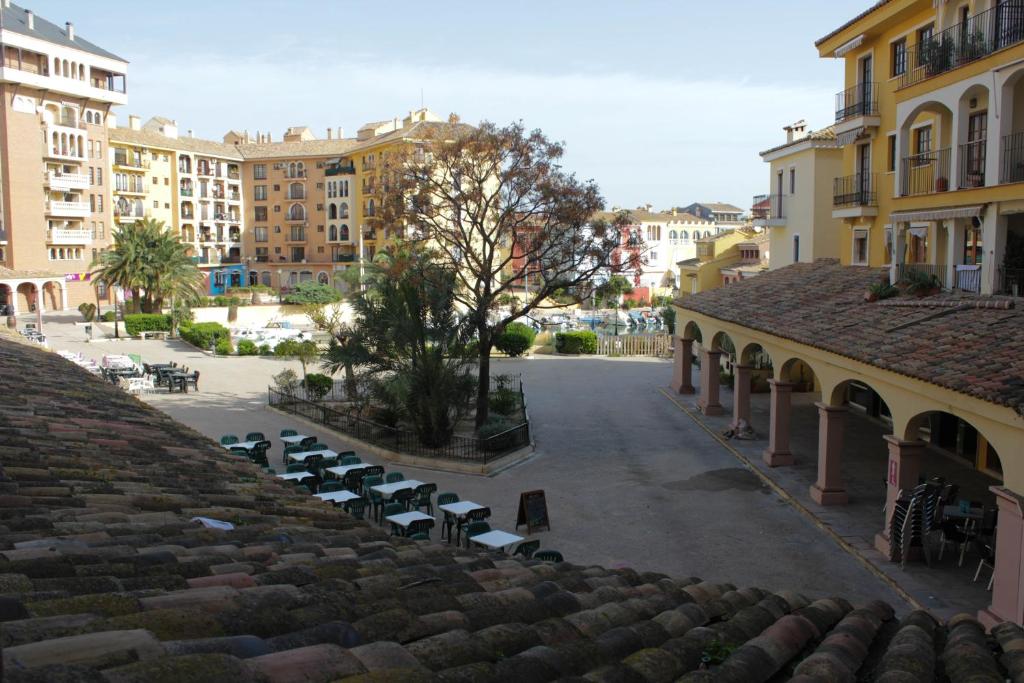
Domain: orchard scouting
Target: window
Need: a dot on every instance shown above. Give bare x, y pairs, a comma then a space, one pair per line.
899, 57
860, 247
259, 192
260, 213
92, 176
298, 253
792, 181
265, 278
673, 235
890, 163
332, 212
343, 208
101, 230
343, 233
156, 203
99, 203
924, 43
323, 278
796, 248
260, 234
259, 171
923, 143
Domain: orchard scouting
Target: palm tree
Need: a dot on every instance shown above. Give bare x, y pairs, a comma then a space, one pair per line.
172, 274
345, 353
123, 265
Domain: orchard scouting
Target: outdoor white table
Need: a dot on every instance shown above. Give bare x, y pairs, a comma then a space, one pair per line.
388, 490
118, 361
460, 508
337, 496
342, 470
247, 445
301, 457
289, 440
496, 539
406, 518
292, 476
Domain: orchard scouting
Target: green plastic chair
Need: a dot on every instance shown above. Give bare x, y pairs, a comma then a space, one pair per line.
356, 507
316, 447
475, 529
288, 432
449, 519
376, 500
294, 448
526, 549
329, 486
255, 436
350, 459
392, 509
421, 498
258, 453
478, 515
228, 439
420, 526
403, 497
392, 477
295, 467
548, 556
239, 451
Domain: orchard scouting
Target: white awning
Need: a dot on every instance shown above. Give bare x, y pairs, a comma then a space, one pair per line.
936, 214
850, 136
853, 44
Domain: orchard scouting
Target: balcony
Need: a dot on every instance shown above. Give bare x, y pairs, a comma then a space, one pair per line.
68, 236
854, 196
262, 258
67, 181
136, 189
234, 197
233, 175
186, 192
234, 236
926, 173
1012, 166
369, 235
204, 171
768, 210
205, 237
348, 169
343, 258
296, 194
297, 235
231, 259
857, 108
67, 209
963, 43
129, 161
972, 165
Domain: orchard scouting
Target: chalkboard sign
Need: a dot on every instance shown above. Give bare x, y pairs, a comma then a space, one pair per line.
533, 511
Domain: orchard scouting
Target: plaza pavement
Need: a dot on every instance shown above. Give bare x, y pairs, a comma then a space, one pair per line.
630, 480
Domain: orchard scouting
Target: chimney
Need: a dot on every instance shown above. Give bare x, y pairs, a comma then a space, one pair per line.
341, 132
30, 20
190, 132
330, 133
134, 122
71, 30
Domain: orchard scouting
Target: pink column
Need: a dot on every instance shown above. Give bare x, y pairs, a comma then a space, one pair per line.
901, 473
778, 452
741, 394
1008, 575
828, 490
709, 367
682, 366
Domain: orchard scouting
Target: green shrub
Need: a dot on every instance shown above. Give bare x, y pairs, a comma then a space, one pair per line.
88, 311
578, 341
223, 347
882, 290
668, 314
265, 350
137, 323
107, 317
204, 335
312, 293
494, 426
247, 347
317, 385
516, 339
503, 400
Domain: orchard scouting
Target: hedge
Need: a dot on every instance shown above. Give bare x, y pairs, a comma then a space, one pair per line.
579, 341
516, 339
247, 347
204, 335
223, 347
137, 323
318, 385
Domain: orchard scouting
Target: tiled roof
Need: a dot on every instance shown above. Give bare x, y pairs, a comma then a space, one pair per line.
14, 20
642, 216
315, 148
851, 22
104, 578
149, 138
827, 134
822, 304
11, 274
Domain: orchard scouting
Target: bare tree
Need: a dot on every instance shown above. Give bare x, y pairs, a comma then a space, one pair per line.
495, 205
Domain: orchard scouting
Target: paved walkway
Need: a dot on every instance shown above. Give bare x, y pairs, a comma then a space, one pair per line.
630, 479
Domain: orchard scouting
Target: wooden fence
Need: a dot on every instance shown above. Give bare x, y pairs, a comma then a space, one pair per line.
659, 345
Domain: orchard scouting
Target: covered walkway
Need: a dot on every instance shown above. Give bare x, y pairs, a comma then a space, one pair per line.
35, 292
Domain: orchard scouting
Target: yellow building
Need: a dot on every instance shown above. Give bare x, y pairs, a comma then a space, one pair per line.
931, 122
723, 258
797, 212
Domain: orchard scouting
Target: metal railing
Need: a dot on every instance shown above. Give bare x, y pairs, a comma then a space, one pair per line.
767, 207
860, 100
972, 165
859, 189
963, 43
1012, 166
401, 440
925, 173
1011, 281
907, 271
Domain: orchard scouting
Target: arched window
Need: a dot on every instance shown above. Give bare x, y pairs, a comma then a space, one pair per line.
707, 234
296, 212
81, 72
684, 235
673, 235
65, 69
343, 209
343, 233
323, 278
254, 278
291, 170
332, 233
370, 208
300, 167
332, 212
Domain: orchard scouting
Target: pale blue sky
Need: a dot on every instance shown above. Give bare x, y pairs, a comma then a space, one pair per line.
661, 102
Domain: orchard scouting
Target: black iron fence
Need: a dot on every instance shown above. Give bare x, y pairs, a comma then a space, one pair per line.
860, 100
925, 173
963, 43
1012, 167
1011, 281
466, 448
854, 190
972, 165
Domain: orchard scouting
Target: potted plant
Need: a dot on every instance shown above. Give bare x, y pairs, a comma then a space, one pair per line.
941, 184
880, 290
